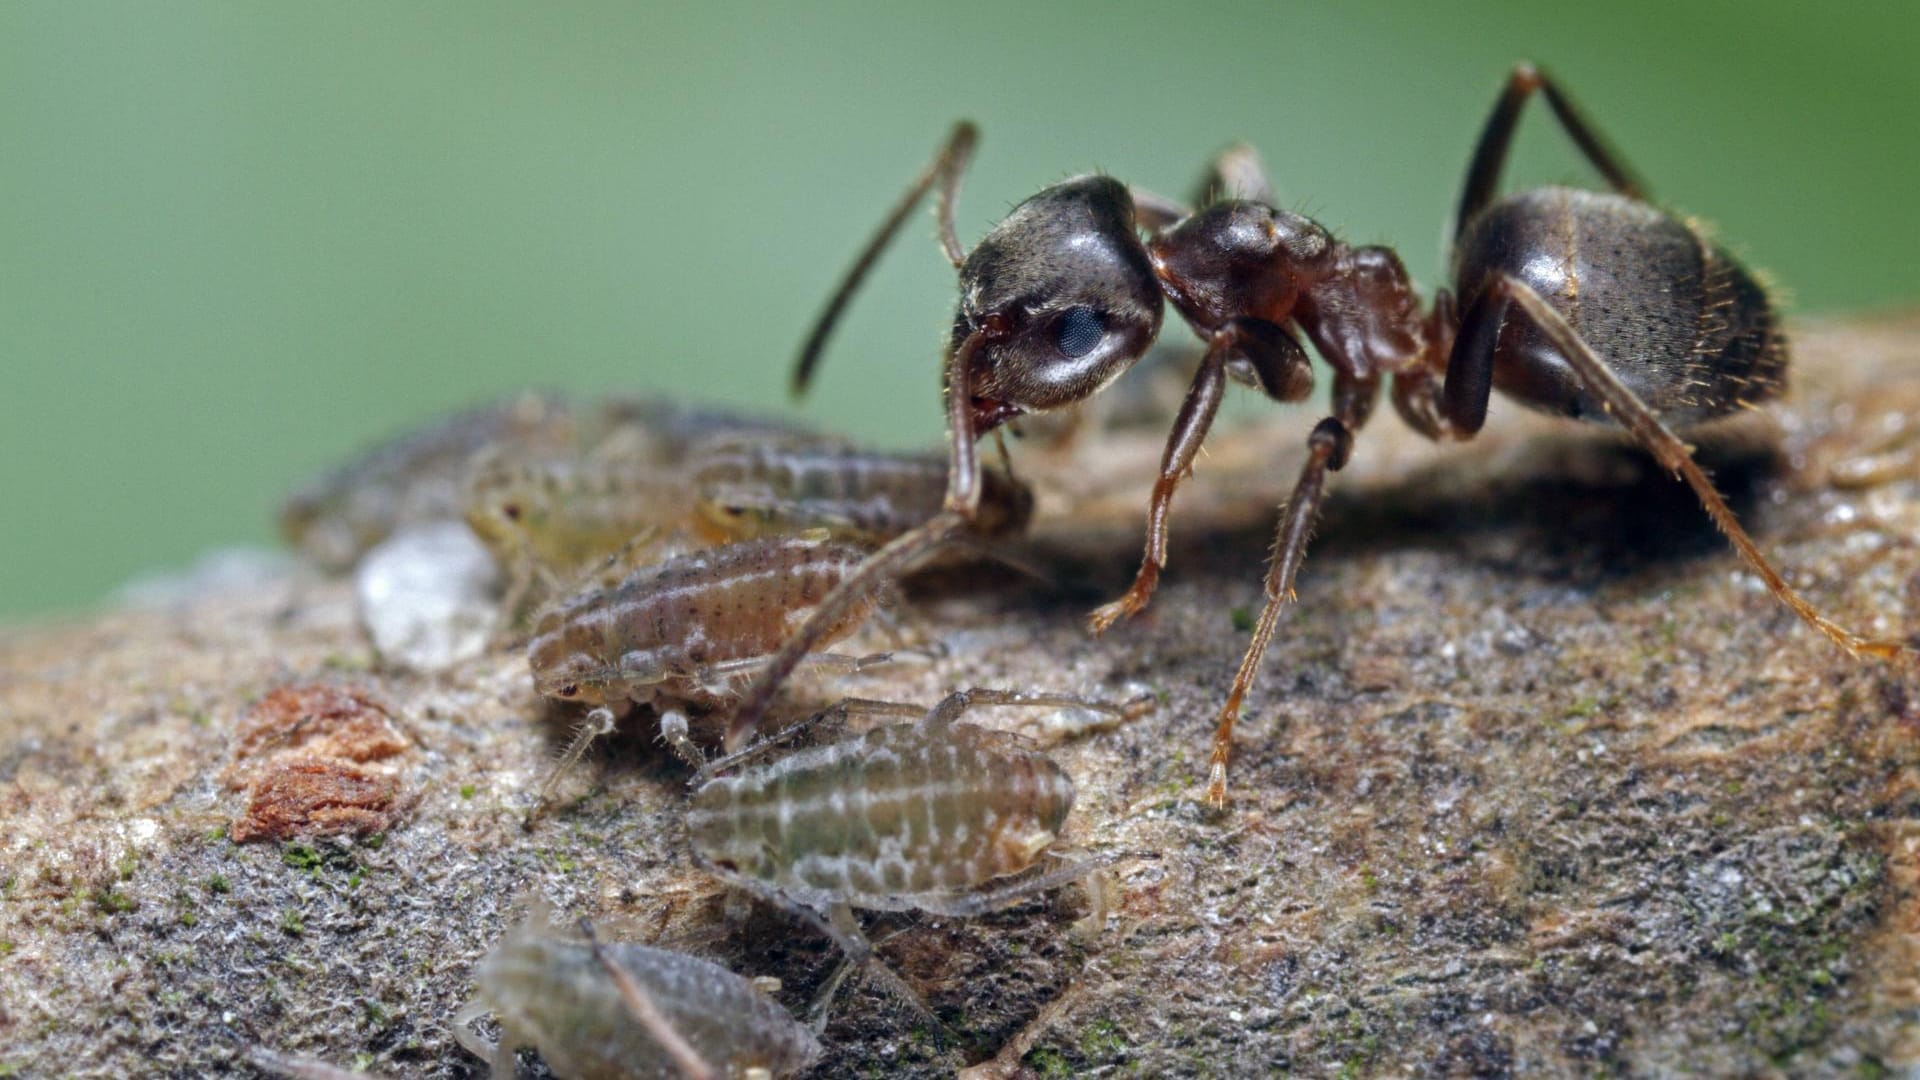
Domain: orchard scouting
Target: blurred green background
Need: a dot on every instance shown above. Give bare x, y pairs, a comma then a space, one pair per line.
239, 241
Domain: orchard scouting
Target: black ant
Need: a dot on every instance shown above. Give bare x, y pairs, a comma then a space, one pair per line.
1590, 305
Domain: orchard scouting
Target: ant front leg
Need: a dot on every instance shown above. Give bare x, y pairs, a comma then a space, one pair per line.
1327, 450
1490, 153
1256, 351
1473, 353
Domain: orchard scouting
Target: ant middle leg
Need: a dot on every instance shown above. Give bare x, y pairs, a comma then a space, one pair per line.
1258, 351
1474, 352
1490, 153
1328, 448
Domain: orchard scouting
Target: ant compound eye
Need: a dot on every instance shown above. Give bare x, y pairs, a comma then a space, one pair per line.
568, 690
1078, 331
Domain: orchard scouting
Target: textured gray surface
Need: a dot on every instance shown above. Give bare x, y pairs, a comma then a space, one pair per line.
1537, 779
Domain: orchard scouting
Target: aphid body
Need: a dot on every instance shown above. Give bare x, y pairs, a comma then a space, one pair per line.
417, 477
933, 816
563, 996
675, 629
552, 519
908, 816
682, 631
746, 488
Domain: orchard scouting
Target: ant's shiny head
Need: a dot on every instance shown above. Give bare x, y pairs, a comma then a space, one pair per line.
1055, 302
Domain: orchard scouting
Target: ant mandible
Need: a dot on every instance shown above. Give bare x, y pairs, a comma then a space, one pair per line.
1590, 305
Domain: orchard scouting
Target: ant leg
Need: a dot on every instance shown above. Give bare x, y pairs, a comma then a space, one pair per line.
1261, 348
1235, 173
1417, 387
1154, 211
641, 1007
1327, 450
1675, 456
1490, 154
944, 170
883, 566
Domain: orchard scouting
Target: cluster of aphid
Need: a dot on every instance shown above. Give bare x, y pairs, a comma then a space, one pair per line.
1588, 305
666, 569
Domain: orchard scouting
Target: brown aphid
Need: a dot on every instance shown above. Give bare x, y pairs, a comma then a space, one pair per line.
616, 1011
682, 632
933, 816
758, 487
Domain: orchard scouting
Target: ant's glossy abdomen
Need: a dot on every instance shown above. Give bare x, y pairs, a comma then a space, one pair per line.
1675, 316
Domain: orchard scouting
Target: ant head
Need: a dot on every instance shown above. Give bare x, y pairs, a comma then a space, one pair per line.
1056, 301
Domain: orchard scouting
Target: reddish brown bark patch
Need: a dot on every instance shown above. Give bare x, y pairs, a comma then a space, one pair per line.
314, 720
316, 797
303, 752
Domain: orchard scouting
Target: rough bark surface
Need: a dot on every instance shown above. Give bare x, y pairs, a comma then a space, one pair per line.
1536, 780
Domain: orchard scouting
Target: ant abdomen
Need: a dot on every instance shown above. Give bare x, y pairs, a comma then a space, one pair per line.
1682, 324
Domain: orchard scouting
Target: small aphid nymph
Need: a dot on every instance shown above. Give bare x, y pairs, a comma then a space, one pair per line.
614, 1011
933, 816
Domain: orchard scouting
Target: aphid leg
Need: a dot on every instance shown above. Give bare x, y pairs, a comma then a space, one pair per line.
595, 724
673, 732
297, 1066
718, 678
1327, 450
642, 548
944, 170
497, 1054
763, 747
1672, 454
846, 933
1101, 891
970, 905
1267, 356
641, 1007
951, 707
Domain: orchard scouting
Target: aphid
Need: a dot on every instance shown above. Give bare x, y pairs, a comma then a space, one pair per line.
550, 520
758, 487
1590, 305
681, 632
418, 477
622, 1012
934, 816
425, 475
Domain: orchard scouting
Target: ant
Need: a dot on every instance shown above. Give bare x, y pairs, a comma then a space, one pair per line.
1592, 305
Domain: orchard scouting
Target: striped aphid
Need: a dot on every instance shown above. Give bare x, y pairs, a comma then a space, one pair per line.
615, 1011
682, 632
758, 487
935, 816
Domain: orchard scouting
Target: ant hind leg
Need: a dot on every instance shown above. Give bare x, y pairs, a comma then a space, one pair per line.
1674, 455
